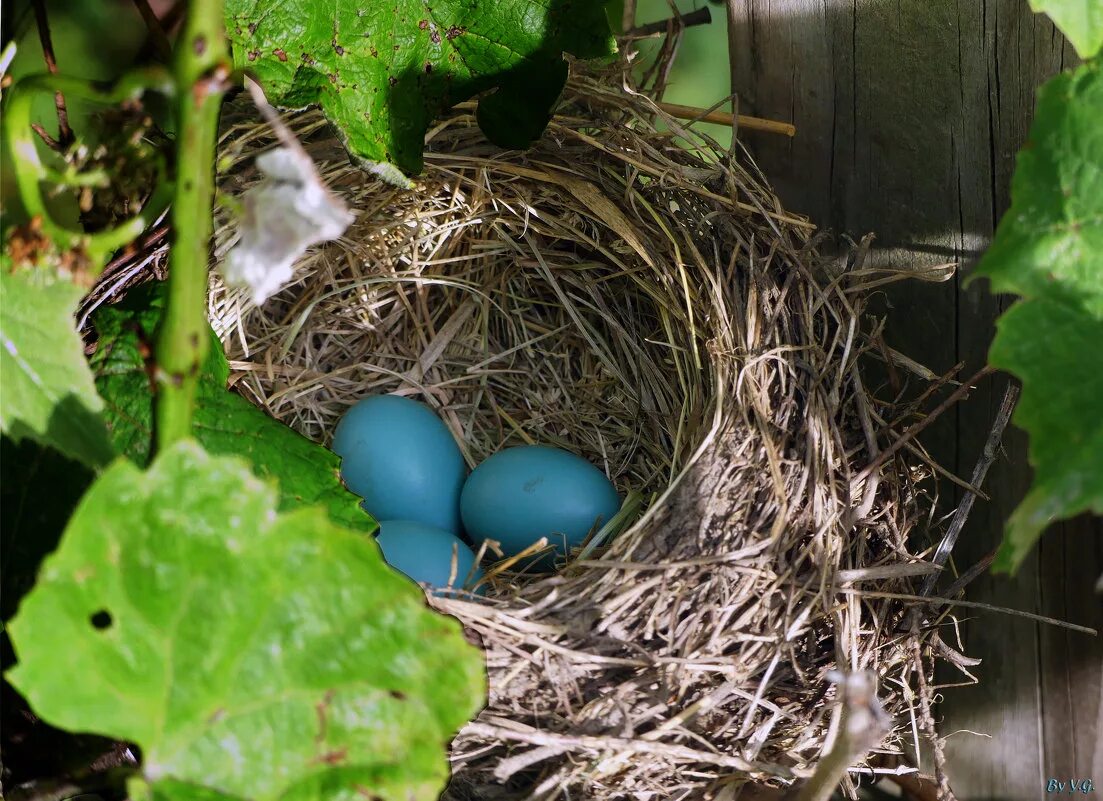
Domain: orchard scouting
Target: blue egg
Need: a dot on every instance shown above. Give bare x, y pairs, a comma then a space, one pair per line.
402, 460
522, 494
424, 553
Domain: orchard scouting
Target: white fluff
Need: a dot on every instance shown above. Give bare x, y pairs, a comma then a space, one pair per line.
283, 215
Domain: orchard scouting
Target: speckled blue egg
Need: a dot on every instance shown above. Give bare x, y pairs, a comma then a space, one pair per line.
402, 460
522, 494
424, 553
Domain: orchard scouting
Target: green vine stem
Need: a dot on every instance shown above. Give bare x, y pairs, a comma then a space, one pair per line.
30, 171
202, 71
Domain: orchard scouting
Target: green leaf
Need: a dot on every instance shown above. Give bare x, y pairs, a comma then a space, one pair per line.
383, 70
249, 654
225, 423
1081, 21
48, 391
1057, 349
1049, 249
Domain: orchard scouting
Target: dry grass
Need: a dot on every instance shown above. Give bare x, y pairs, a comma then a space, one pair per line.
654, 309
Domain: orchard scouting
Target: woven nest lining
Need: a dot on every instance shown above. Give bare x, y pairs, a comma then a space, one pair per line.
654, 309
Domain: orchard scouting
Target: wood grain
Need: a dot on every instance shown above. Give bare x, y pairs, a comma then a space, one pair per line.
908, 117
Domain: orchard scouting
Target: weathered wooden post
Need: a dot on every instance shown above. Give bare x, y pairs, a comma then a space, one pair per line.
908, 117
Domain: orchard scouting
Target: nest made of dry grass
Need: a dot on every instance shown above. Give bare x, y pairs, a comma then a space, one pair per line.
639, 297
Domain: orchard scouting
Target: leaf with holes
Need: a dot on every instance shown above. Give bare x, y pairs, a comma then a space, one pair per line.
1081, 21
1049, 249
225, 423
249, 654
48, 391
383, 70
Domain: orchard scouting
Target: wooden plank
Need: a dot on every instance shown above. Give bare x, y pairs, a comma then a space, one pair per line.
1072, 663
908, 117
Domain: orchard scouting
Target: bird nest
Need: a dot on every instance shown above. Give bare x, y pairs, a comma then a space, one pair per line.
633, 293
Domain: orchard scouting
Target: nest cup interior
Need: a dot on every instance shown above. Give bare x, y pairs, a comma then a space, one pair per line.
513, 307
514, 336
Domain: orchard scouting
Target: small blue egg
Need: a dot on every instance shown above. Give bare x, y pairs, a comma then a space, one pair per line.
402, 460
424, 553
522, 494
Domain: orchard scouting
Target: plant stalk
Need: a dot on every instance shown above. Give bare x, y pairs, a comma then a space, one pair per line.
30, 171
202, 71
862, 725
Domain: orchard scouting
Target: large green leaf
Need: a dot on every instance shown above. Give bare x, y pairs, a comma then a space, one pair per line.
225, 423
1080, 20
48, 391
1049, 249
382, 70
249, 654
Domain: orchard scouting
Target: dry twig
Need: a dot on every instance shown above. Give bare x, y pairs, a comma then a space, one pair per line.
862, 724
158, 39
700, 16
725, 118
987, 457
64, 132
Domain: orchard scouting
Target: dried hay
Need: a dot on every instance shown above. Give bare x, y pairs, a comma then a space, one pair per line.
654, 309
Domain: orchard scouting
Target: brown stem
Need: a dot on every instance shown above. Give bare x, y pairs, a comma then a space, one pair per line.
969, 575
64, 132
174, 14
941, 556
628, 16
926, 718
701, 16
157, 35
664, 63
724, 118
935, 385
166, 22
861, 727
733, 69
44, 135
914, 430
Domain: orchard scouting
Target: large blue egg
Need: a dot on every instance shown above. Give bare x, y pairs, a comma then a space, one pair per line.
402, 460
522, 494
424, 553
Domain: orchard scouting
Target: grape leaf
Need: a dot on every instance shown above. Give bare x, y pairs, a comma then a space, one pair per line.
1081, 21
1048, 248
48, 391
225, 423
249, 654
382, 70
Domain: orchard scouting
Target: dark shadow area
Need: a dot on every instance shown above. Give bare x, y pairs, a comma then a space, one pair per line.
73, 424
39, 489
